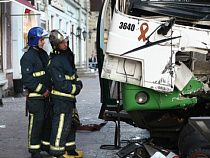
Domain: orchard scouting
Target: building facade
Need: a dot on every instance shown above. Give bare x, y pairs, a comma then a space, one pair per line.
18, 16
14, 20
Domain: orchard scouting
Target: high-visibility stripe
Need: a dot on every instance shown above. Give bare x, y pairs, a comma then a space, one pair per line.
40, 73
78, 79
54, 52
30, 128
38, 88
73, 89
35, 95
70, 77
55, 92
34, 146
60, 128
45, 143
29, 134
70, 144
57, 148
49, 62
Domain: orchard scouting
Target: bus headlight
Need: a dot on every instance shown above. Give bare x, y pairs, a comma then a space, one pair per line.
141, 97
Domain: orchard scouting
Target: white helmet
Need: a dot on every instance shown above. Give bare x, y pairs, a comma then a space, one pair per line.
57, 36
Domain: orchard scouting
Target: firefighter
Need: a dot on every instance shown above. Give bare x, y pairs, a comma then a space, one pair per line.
37, 80
66, 86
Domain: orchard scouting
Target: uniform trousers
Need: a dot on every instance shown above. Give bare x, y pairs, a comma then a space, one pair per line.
62, 134
39, 125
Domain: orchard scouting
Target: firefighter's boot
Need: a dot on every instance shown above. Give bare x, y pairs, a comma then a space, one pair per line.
60, 156
73, 154
36, 155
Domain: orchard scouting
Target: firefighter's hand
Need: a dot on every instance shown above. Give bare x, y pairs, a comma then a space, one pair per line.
79, 89
79, 83
46, 94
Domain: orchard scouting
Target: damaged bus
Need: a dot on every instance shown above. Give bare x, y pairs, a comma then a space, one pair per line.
154, 71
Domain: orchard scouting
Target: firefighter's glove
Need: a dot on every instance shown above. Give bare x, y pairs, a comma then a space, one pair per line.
46, 94
79, 89
80, 84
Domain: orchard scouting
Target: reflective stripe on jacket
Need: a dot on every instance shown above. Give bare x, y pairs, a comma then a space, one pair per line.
34, 74
64, 77
54, 92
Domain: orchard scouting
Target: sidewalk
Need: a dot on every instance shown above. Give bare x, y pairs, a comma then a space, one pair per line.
14, 126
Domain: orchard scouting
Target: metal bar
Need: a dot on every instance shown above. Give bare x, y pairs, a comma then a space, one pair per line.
6, 1
23, 14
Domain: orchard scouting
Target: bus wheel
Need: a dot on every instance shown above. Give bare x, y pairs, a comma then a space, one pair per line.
199, 153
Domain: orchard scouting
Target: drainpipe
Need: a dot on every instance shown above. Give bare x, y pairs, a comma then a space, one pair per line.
46, 14
79, 24
87, 38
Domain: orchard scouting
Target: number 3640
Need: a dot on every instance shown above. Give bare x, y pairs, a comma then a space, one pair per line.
128, 26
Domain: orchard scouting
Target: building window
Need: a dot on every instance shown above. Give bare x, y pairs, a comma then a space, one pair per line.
72, 37
67, 28
43, 24
60, 24
52, 22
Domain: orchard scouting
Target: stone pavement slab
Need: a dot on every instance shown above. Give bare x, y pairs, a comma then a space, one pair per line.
14, 126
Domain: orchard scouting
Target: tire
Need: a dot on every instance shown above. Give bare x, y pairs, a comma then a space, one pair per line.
199, 153
189, 141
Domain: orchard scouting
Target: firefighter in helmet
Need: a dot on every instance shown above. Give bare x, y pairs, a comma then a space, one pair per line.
37, 80
66, 86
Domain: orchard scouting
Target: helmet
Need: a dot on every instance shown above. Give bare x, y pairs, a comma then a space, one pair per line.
35, 34
58, 36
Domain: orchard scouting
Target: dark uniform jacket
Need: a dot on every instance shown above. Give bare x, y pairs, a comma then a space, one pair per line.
35, 76
63, 72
